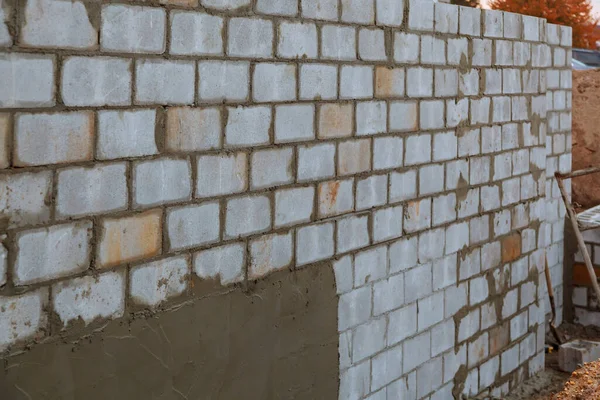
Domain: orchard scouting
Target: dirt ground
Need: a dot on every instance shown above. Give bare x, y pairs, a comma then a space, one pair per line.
552, 384
586, 136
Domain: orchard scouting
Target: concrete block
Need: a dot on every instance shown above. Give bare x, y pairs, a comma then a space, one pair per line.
358, 11
226, 81
446, 83
420, 146
389, 12
434, 305
511, 191
370, 265
352, 233
270, 253
226, 5
420, 17
96, 81
480, 229
229, 170
193, 225
457, 237
386, 368
336, 197
161, 181
91, 190
344, 271
457, 112
49, 253
164, 82
405, 388
431, 179
468, 325
510, 136
371, 192
442, 337
457, 174
433, 50
480, 170
338, 42
387, 152
23, 200
402, 324
445, 146
318, 81
354, 157
469, 205
371, 45
274, 82
444, 209
225, 263
417, 351
482, 53
356, 82
335, 120
417, 282
458, 51
354, 308
59, 24
403, 116
153, 283
90, 298
277, 7
493, 23
531, 28
511, 81
509, 360
320, 9
566, 36
468, 83
513, 27
403, 186
368, 339
389, 82
129, 239
3, 264
23, 317
573, 354
429, 377
455, 298
417, 215
371, 117
126, 134
193, 129
446, 18
492, 81
207, 31
406, 48
5, 36
431, 245
480, 111
453, 360
445, 272
133, 29
26, 80
504, 52
419, 82
355, 381
294, 206
432, 114
315, 243
387, 223
271, 167
316, 161
250, 37
297, 40
40, 138
248, 126
247, 215
522, 54
470, 21
5, 138
294, 123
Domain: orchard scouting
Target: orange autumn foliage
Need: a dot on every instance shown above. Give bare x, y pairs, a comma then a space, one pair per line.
574, 13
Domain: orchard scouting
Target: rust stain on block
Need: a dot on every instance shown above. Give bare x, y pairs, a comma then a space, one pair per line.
581, 276
131, 238
386, 82
335, 120
499, 338
511, 247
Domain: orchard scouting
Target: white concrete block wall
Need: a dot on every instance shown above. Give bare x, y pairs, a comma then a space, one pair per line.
415, 159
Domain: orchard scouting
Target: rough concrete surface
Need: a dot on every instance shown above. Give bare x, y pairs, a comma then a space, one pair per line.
278, 341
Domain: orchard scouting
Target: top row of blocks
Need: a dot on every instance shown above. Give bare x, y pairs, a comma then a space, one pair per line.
127, 28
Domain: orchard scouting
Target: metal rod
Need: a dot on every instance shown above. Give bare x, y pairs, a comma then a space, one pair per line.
579, 172
580, 241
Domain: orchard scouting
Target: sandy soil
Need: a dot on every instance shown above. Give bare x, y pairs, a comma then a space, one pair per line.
586, 136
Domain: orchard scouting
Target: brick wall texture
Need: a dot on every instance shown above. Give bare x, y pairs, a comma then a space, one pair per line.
410, 144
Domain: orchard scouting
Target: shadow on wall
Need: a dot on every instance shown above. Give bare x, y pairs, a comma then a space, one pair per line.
279, 341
